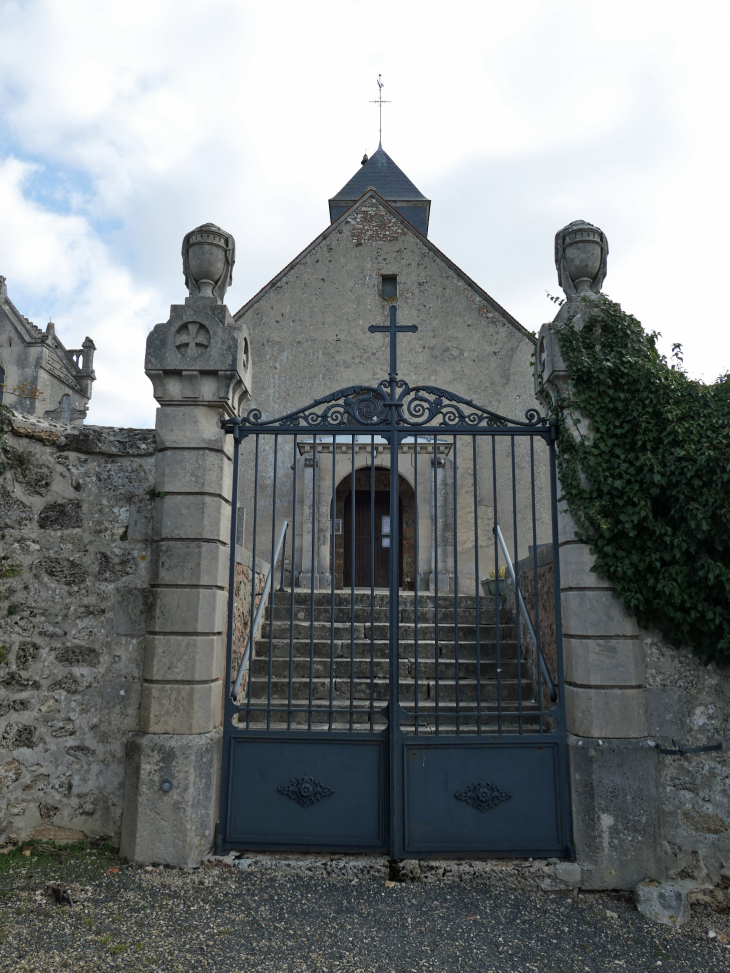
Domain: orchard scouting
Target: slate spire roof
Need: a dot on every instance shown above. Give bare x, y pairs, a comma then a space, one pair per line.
382, 174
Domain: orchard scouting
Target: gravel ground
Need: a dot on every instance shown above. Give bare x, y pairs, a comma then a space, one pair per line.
230, 920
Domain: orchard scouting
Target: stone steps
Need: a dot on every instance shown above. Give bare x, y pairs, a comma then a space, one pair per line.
349, 659
488, 719
380, 599
341, 631
362, 614
362, 688
361, 649
361, 668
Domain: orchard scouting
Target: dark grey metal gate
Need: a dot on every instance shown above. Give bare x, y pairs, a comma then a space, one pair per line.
423, 720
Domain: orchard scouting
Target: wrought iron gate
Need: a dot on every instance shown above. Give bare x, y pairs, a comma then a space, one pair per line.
425, 719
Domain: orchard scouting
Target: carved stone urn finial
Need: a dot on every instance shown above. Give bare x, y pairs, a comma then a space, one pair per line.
209, 254
581, 252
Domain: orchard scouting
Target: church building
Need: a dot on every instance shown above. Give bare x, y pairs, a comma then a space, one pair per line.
39, 376
309, 333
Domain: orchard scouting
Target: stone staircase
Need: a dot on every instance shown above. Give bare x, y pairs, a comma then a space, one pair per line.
338, 656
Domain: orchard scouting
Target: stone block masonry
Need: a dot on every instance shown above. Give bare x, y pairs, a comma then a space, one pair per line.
75, 528
198, 363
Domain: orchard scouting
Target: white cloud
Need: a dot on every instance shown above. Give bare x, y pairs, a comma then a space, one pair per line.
128, 124
57, 266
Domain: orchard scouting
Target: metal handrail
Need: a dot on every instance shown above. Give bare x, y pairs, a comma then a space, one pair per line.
543, 665
260, 609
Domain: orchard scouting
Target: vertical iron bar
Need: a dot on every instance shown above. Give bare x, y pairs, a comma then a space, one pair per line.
396, 843
372, 581
352, 589
393, 638
415, 583
291, 599
478, 587
436, 584
535, 583
232, 565
456, 600
253, 581
560, 706
333, 505
272, 593
229, 707
497, 595
315, 467
515, 559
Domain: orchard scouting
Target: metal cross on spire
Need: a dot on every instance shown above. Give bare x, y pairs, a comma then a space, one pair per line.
380, 101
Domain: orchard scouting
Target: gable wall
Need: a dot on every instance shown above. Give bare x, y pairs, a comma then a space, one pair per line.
309, 333
309, 337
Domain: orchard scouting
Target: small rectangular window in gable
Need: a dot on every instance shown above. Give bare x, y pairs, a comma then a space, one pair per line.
390, 287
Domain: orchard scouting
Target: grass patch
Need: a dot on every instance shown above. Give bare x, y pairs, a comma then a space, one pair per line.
49, 861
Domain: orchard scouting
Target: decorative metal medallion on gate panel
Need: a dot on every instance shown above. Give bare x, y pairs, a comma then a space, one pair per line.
394, 656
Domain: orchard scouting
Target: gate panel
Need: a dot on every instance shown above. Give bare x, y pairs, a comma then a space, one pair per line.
483, 799
312, 793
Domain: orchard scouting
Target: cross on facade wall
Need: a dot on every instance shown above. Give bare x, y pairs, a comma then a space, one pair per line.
393, 328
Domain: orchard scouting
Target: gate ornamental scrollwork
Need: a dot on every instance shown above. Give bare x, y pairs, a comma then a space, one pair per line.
483, 796
305, 791
367, 405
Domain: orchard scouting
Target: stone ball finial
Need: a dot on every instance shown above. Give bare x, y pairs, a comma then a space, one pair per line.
209, 254
581, 252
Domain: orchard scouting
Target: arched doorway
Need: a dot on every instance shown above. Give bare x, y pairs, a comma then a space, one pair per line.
366, 548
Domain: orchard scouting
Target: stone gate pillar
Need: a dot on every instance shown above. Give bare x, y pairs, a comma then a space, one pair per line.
198, 362
614, 770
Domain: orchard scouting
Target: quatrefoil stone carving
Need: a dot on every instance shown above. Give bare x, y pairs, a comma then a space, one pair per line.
192, 339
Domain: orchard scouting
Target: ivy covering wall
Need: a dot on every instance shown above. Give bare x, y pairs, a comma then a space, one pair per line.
646, 476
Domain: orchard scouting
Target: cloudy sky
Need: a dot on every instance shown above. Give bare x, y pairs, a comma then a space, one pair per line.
123, 125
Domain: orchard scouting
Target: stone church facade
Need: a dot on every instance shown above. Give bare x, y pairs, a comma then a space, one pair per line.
309, 337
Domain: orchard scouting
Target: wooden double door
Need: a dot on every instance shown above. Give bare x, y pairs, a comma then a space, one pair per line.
373, 534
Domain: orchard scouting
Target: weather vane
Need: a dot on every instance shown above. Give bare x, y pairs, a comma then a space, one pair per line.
380, 102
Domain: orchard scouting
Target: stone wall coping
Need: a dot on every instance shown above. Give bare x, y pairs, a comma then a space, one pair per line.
544, 556
245, 557
103, 440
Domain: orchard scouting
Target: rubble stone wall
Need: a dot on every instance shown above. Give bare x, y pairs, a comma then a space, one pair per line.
76, 520
689, 703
